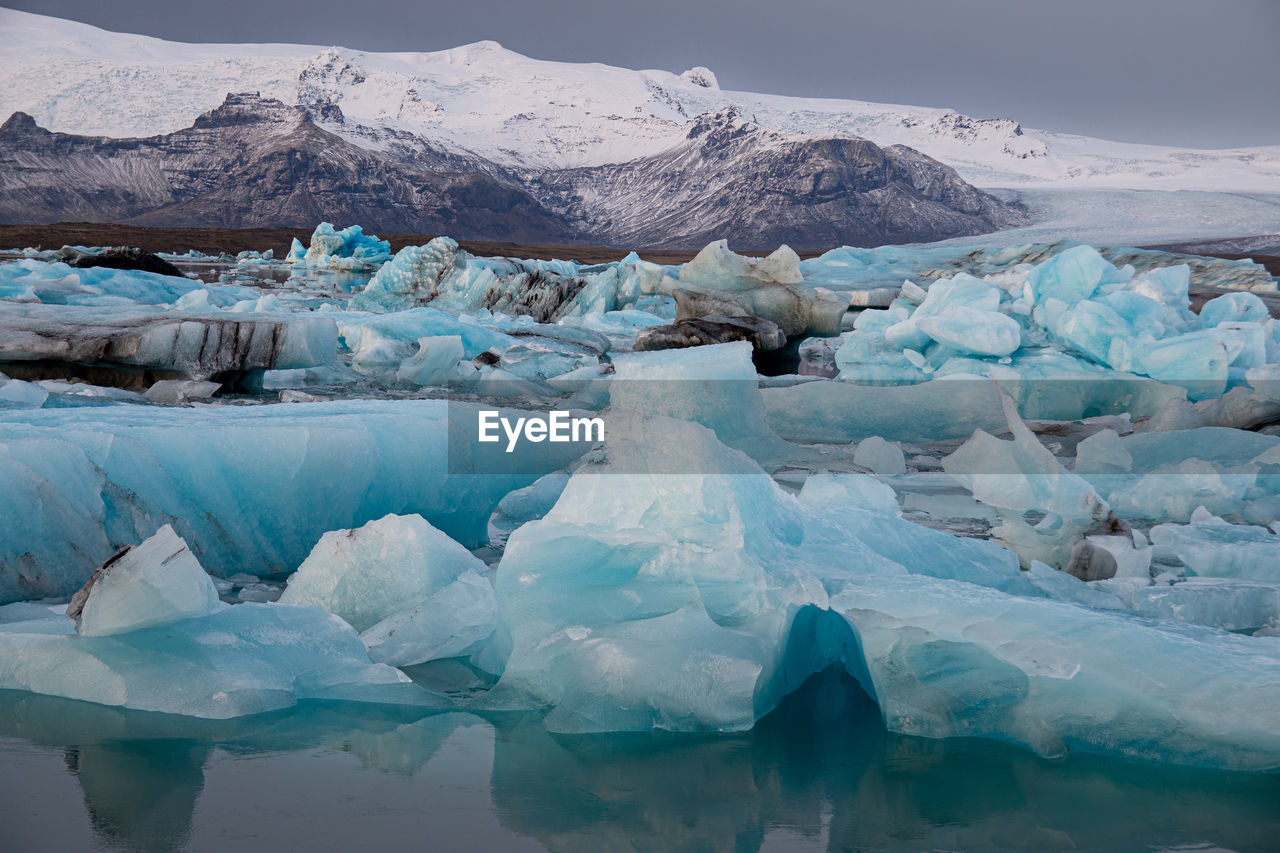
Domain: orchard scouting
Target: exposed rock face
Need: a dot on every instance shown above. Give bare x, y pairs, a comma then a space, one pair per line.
763, 334
256, 162
121, 258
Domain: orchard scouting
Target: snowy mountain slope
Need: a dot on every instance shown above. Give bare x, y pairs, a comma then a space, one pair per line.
731, 179
257, 162
525, 113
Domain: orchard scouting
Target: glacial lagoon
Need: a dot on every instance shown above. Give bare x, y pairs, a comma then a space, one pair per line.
984, 559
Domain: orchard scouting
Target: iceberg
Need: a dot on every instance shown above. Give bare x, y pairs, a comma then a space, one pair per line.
1075, 321
971, 330
1224, 470
372, 572
453, 622
198, 346
240, 660
772, 288
955, 659
883, 458
652, 595
250, 489
715, 386
1021, 477
835, 412
158, 582
435, 363
349, 247
1238, 307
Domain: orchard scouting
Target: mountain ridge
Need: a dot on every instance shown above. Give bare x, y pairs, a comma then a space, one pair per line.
482, 99
257, 162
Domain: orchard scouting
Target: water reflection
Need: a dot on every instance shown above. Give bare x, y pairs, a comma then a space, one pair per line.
819, 773
140, 794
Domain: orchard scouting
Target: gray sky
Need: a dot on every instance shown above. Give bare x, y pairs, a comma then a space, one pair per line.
1186, 72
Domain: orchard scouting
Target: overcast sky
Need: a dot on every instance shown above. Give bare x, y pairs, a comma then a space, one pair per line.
1189, 72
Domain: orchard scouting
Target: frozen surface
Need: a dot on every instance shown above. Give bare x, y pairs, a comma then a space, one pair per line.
453, 622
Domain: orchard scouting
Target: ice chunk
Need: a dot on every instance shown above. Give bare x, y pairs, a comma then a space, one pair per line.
837, 412
882, 457
241, 660
1197, 361
1229, 605
412, 277
1022, 477
198, 346
772, 288
377, 340
1239, 307
1170, 474
1103, 453
713, 385
971, 330
1070, 276
435, 363
849, 490
330, 246
196, 300
158, 582
370, 573
251, 489
715, 266
659, 596
452, 622
19, 394
177, 391
526, 504
1213, 548
960, 292
954, 659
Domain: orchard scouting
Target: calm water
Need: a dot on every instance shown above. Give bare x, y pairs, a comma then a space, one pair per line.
820, 773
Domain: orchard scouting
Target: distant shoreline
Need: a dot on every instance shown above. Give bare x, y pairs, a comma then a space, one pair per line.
235, 240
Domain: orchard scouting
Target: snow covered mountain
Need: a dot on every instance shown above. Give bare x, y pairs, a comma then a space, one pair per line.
535, 150
527, 113
730, 178
256, 162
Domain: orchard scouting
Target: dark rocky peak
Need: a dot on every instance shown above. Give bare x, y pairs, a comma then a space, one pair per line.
248, 108
722, 126
21, 126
